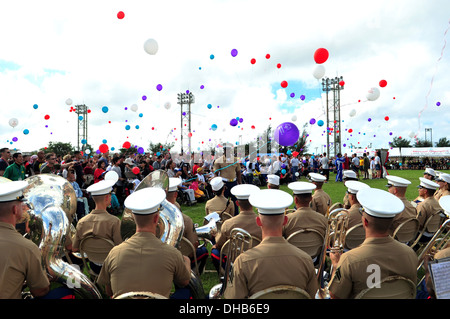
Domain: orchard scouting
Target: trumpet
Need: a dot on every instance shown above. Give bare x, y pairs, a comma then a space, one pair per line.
439, 241
334, 242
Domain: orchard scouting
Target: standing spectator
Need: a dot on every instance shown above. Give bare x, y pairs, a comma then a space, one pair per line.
100, 171
346, 164
4, 159
355, 165
324, 161
294, 167
38, 162
366, 166
157, 164
50, 166
15, 171
372, 167
378, 167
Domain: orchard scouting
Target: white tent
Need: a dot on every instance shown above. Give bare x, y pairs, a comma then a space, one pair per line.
420, 152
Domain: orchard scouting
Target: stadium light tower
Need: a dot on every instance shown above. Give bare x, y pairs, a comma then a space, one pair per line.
82, 112
185, 100
333, 113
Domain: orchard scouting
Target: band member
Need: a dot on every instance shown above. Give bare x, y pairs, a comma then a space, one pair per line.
228, 167
429, 173
273, 181
143, 262
274, 261
245, 220
321, 201
428, 206
354, 215
444, 185
20, 258
189, 229
379, 255
98, 223
397, 186
349, 175
219, 203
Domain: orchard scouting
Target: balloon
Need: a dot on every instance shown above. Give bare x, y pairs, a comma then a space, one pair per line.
319, 71
159, 87
267, 56
13, 122
283, 171
214, 127
386, 118
47, 117
369, 119
438, 103
69, 101
284, 84
103, 148
233, 122
294, 118
83, 141
167, 105
105, 109
241, 120
252, 61
321, 55
15, 139
234, 52
286, 134
134, 107
352, 113
141, 150
136, 170
350, 130
35, 106
312, 121
126, 144
373, 94
302, 97
26, 131
320, 123
151, 46
341, 83
127, 127
279, 65
253, 127
383, 83
141, 115
120, 15
412, 134
209, 106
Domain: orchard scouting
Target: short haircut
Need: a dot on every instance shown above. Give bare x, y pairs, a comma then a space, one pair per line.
49, 155
16, 155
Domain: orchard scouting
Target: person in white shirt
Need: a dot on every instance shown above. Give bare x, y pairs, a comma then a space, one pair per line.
294, 167
324, 162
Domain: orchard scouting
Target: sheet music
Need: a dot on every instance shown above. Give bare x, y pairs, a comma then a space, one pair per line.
439, 271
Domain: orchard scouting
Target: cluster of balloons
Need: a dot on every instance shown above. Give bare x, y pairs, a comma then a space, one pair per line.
320, 56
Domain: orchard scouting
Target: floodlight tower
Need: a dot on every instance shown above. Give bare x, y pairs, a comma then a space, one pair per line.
185, 100
333, 113
82, 112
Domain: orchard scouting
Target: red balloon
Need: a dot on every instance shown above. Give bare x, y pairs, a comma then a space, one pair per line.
321, 55
350, 130
126, 144
252, 61
284, 84
47, 117
341, 83
279, 65
267, 56
120, 15
103, 148
387, 118
383, 83
136, 170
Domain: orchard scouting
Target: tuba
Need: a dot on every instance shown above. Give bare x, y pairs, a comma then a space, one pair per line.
53, 207
240, 241
211, 227
334, 242
170, 228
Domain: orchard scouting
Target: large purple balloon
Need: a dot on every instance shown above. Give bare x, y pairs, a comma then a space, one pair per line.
234, 122
286, 134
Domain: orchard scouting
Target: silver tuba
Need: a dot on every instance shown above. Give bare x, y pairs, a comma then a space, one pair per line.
211, 227
53, 207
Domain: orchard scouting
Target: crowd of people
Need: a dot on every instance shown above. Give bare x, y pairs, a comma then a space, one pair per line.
107, 184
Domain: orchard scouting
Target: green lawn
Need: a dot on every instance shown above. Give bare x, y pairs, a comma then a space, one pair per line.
336, 190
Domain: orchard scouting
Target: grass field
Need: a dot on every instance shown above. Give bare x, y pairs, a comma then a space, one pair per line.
336, 190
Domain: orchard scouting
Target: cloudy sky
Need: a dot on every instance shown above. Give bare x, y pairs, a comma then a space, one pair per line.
52, 51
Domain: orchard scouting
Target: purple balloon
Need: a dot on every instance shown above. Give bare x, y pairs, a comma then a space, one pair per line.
234, 122
241, 120
286, 134
159, 87
302, 97
234, 52
292, 94
312, 121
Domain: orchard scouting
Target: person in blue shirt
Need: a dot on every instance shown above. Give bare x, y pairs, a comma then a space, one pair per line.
339, 167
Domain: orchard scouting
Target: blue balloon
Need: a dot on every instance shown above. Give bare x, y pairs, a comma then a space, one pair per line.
83, 141
127, 127
26, 131
320, 123
141, 115
105, 109
214, 127
35, 106
209, 106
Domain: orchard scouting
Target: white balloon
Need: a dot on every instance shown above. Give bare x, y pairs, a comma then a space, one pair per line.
294, 118
412, 134
13, 122
151, 46
373, 94
319, 71
69, 101
134, 107
167, 105
352, 113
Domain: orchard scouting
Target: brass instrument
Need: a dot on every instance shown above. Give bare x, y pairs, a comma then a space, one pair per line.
240, 241
439, 241
53, 207
211, 227
170, 226
334, 243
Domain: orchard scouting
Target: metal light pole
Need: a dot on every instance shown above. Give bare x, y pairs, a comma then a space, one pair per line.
333, 113
82, 112
185, 100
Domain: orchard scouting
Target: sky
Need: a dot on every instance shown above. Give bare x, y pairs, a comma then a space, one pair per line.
53, 52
